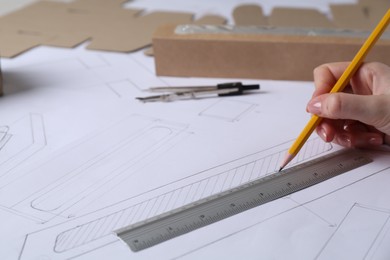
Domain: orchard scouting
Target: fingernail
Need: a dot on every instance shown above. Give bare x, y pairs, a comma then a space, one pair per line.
321, 132
314, 107
375, 141
344, 140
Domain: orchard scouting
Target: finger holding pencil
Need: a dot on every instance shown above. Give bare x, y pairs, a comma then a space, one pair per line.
338, 87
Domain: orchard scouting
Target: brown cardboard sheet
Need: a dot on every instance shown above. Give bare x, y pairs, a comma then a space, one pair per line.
105, 24
296, 17
19, 41
249, 15
350, 17
137, 34
363, 16
96, 5
374, 10
46, 18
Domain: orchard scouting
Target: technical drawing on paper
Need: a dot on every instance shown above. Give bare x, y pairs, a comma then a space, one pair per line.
124, 88
93, 61
228, 110
349, 242
4, 136
73, 237
80, 175
18, 142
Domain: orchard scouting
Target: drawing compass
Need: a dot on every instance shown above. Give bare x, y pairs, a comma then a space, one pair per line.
177, 93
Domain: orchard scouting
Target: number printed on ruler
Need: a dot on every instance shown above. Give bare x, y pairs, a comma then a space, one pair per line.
214, 208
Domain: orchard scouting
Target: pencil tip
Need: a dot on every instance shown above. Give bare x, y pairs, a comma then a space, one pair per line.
286, 160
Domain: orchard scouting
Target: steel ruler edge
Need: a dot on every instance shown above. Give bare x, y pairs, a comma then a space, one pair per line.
195, 29
203, 212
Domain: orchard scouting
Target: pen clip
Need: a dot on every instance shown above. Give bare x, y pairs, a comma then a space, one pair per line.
239, 86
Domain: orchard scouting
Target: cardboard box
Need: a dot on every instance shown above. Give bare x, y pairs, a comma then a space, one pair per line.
255, 56
269, 56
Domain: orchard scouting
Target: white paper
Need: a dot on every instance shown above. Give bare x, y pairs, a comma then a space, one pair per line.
80, 157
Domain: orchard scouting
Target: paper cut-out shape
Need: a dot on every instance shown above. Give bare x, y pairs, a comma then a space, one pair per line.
249, 15
297, 18
109, 26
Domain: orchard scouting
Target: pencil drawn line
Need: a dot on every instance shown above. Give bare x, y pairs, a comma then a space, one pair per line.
21, 149
339, 244
228, 110
313, 212
102, 226
278, 214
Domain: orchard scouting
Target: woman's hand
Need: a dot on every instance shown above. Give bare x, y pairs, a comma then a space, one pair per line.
359, 116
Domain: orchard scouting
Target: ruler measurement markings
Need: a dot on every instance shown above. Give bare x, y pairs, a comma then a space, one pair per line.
231, 202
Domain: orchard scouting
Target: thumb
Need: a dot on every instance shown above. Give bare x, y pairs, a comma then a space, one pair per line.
368, 109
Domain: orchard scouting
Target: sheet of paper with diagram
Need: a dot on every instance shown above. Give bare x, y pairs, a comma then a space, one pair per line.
80, 157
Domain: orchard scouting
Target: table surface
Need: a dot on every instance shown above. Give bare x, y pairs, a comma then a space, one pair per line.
80, 157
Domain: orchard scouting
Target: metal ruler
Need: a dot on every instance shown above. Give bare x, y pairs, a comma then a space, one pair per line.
214, 208
195, 29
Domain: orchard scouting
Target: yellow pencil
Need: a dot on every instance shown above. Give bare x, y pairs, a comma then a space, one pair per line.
339, 86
